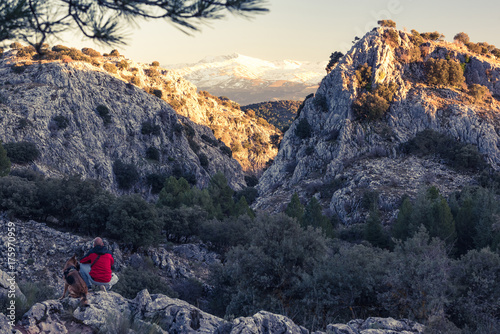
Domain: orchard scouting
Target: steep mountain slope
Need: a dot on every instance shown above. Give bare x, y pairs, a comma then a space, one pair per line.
83, 120
347, 139
279, 113
250, 80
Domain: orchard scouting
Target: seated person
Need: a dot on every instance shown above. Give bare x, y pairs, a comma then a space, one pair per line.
95, 266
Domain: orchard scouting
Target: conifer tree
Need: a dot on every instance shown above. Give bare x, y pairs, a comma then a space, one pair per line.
172, 193
374, 232
103, 21
314, 217
403, 227
295, 209
242, 208
222, 196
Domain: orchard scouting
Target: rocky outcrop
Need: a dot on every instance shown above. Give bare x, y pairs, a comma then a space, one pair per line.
41, 255
56, 106
376, 326
321, 163
110, 312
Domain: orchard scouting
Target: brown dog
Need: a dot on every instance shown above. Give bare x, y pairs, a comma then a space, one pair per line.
74, 282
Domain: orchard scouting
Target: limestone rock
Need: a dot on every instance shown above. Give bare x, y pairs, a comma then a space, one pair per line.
265, 322
342, 156
88, 144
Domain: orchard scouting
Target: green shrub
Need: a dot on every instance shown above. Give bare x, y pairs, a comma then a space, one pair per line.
203, 160
250, 193
158, 93
60, 121
320, 102
303, 129
416, 38
479, 92
334, 59
458, 155
462, 37
111, 68
133, 280
155, 181
155, 64
19, 197
136, 80
123, 65
153, 153
226, 150
444, 72
91, 52
433, 36
364, 76
387, 23
152, 72
149, 128
391, 37
22, 152
126, 175
114, 53
135, 221
371, 106
60, 48
103, 112
18, 68
4, 162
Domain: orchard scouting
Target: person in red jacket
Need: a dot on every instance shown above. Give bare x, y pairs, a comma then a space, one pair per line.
95, 266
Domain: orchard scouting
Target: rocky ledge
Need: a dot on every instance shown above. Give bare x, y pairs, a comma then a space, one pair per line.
156, 313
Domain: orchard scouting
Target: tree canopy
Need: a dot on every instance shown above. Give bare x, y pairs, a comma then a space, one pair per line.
104, 21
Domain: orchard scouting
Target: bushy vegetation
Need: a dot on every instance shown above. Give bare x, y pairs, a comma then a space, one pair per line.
150, 128
153, 153
456, 154
91, 52
126, 175
444, 72
482, 48
303, 129
387, 23
61, 122
373, 105
22, 152
480, 93
278, 113
103, 112
433, 36
110, 67
334, 59
133, 280
4, 161
289, 263
364, 76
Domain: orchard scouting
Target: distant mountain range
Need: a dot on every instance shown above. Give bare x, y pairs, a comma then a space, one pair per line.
249, 80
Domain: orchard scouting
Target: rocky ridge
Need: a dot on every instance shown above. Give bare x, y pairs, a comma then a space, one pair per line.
155, 313
322, 164
34, 97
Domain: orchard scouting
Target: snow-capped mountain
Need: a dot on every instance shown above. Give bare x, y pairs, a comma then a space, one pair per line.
249, 80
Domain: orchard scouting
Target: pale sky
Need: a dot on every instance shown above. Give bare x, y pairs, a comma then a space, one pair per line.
307, 30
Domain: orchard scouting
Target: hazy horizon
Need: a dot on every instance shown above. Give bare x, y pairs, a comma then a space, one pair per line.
300, 30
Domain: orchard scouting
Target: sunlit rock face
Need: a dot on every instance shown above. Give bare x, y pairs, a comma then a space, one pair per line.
342, 156
57, 106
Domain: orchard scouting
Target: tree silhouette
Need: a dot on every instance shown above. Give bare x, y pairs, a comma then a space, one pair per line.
104, 20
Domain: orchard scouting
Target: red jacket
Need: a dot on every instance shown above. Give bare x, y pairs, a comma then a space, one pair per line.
101, 270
